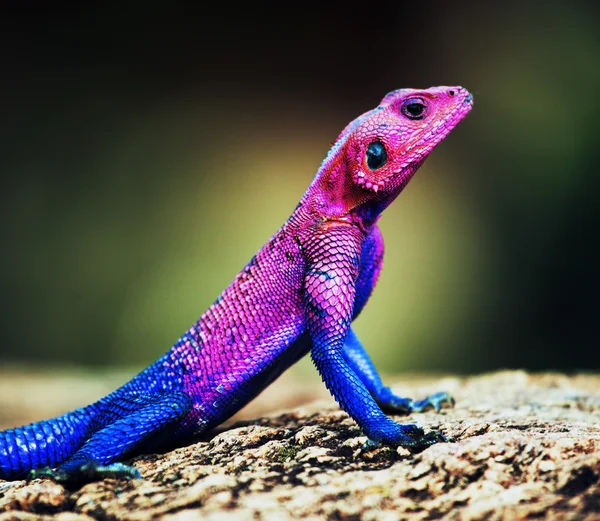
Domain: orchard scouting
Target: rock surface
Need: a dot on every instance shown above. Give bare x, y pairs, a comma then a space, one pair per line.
528, 447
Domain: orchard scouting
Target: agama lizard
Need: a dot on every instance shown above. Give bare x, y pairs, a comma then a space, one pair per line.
298, 294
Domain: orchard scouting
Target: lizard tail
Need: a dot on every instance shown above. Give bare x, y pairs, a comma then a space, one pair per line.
43, 444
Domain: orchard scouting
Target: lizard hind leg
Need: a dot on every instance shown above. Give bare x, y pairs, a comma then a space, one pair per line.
155, 417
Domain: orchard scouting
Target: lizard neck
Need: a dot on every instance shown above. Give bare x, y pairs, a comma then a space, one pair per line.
334, 196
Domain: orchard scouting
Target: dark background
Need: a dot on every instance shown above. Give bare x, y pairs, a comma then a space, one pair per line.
148, 151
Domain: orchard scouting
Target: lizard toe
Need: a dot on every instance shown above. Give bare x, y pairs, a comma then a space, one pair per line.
436, 401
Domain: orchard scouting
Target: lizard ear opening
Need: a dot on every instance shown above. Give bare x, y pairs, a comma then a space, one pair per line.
371, 176
376, 155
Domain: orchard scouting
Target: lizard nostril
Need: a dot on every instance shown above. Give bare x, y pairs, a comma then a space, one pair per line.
451, 92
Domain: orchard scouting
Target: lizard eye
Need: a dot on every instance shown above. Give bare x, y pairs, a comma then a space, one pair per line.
413, 108
376, 155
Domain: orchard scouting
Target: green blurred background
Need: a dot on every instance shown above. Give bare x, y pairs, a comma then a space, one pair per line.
148, 151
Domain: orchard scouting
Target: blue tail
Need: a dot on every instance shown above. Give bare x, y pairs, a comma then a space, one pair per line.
44, 444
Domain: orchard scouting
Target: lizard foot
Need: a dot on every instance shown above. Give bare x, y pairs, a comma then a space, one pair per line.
86, 472
435, 401
411, 437
393, 403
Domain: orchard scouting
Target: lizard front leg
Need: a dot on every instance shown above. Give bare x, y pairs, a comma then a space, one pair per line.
371, 259
360, 362
333, 259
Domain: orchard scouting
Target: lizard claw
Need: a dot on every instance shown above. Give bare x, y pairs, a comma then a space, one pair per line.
85, 473
369, 445
114, 470
411, 437
57, 475
393, 403
431, 438
437, 401
410, 432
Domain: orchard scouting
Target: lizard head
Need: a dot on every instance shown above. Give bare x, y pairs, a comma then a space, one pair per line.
385, 146
377, 154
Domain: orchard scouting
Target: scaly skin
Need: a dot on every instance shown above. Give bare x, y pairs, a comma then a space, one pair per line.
298, 294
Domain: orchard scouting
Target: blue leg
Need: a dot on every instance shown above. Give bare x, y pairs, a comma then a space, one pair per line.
147, 419
330, 296
360, 361
45, 443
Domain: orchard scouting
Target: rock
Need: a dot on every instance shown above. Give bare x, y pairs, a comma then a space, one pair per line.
527, 446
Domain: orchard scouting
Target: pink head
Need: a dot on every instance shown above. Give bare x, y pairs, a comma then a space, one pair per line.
377, 154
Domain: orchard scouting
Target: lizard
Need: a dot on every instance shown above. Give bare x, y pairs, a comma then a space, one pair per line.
299, 294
